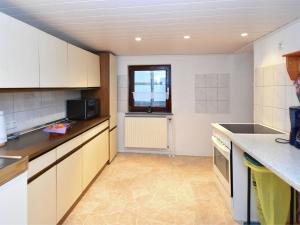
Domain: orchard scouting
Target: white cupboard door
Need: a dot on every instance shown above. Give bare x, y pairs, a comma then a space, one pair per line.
53, 54
103, 148
69, 182
19, 60
112, 144
93, 70
113, 89
77, 67
42, 199
95, 156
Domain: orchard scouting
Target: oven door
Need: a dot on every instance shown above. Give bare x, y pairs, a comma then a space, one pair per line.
221, 161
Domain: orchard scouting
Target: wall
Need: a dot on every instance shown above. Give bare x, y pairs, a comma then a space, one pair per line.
29, 109
274, 92
193, 130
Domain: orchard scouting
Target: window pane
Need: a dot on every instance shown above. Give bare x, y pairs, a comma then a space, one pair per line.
142, 88
159, 88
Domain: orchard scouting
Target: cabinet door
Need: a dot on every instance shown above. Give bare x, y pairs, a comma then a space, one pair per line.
113, 90
93, 70
42, 199
95, 156
53, 54
19, 61
77, 67
69, 182
112, 144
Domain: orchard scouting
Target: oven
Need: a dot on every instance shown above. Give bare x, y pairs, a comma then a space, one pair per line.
222, 164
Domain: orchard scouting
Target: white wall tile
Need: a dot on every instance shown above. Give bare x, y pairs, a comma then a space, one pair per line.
291, 97
268, 76
281, 76
279, 119
122, 93
200, 94
123, 81
223, 94
25, 101
259, 78
268, 96
279, 98
211, 80
30, 109
122, 106
268, 116
6, 102
212, 94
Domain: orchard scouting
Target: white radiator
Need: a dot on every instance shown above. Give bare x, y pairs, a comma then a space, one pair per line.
146, 132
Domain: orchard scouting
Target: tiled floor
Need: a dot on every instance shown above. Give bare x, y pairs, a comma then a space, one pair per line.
141, 189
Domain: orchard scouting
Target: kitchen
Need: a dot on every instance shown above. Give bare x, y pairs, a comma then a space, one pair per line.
140, 100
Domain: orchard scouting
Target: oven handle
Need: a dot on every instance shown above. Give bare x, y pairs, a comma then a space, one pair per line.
220, 146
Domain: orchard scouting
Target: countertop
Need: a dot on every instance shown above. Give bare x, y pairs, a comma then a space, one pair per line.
38, 142
281, 159
12, 167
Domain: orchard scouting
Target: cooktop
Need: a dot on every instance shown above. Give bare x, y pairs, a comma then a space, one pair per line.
249, 129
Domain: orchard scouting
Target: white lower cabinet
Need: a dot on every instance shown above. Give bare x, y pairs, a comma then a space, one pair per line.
69, 182
112, 144
42, 199
95, 156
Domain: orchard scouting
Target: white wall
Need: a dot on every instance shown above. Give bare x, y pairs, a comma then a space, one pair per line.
29, 109
274, 92
192, 130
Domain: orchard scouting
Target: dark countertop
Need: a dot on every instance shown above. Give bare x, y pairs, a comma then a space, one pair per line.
38, 142
11, 167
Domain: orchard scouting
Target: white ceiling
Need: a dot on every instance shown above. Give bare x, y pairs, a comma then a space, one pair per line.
214, 25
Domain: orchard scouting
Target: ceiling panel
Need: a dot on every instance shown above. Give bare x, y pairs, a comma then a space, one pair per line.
214, 25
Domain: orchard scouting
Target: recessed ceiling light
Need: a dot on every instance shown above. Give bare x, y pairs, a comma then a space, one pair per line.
244, 34
187, 37
138, 38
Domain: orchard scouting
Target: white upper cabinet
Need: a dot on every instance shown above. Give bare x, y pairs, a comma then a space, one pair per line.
93, 70
53, 54
77, 67
19, 59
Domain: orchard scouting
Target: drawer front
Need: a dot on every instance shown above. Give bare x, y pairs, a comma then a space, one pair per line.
41, 162
69, 146
94, 131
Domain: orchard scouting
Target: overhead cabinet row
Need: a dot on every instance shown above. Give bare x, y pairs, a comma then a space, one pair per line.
36, 59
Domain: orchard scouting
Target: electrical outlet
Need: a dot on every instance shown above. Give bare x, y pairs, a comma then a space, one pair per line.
10, 125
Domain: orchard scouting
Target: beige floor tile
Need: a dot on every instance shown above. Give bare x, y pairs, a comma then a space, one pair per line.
144, 189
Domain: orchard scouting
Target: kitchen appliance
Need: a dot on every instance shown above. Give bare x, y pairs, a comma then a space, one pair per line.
3, 137
82, 109
223, 154
222, 164
295, 126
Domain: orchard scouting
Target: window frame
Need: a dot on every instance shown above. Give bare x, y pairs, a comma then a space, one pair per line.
131, 70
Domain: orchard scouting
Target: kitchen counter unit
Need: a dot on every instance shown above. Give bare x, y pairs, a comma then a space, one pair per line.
37, 143
12, 167
281, 159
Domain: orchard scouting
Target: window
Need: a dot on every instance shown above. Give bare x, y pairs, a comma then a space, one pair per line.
150, 88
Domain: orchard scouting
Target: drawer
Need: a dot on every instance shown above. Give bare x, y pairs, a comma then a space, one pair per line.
69, 146
41, 162
94, 131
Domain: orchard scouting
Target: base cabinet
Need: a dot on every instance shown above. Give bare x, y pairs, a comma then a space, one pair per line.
95, 156
42, 199
112, 144
69, 182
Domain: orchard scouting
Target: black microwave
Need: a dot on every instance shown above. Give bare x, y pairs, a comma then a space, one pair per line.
82, 109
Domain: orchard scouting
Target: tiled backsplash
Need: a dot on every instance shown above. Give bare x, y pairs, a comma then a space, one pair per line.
274, 93
122, 93
212, 93
29, 109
